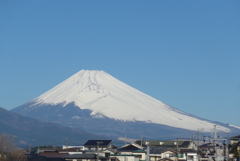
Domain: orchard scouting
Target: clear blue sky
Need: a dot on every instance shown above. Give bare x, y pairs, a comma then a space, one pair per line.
183, 53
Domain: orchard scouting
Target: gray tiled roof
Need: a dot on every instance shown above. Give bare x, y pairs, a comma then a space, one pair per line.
235, 137
95, 143
82, 156
181, 143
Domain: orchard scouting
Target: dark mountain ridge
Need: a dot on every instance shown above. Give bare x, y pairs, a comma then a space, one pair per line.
28, 131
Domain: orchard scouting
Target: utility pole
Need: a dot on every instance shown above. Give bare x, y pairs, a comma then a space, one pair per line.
176, 143
198, 138
220, 151
198, 144
98, 142
147, 157
125, 139
67, 145
97, 150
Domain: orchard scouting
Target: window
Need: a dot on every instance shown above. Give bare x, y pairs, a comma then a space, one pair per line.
170, 155
107, 154
180, 155
190, 158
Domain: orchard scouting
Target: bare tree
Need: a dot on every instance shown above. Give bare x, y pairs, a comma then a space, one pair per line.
9, 151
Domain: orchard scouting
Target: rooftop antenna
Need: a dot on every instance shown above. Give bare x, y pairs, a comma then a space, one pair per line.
198, 139
125, 139
67, 145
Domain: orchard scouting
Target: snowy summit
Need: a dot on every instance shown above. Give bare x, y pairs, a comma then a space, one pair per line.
108, 97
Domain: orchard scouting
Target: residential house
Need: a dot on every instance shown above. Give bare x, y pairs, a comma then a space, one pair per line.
123, 157
207, 149
158, 150
235, 148
157, 154
133, 150
188, 155
102, 148
173, 150
48, 156
95, 145
214, 150
235, 139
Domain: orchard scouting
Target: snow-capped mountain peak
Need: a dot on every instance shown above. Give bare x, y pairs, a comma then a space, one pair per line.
106, 96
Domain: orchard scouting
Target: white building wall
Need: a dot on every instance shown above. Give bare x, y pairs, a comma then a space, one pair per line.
192, 157
127, 158
65, 147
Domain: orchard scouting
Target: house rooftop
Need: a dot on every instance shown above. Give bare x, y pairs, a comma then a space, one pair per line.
99, 143
53, 154
129, 148
171, 143
83, 156
159, 150
235, 137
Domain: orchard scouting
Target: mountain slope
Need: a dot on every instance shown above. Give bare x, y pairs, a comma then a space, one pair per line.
92, 97
30, 131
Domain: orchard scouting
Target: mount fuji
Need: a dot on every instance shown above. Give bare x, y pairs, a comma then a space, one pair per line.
101, 104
